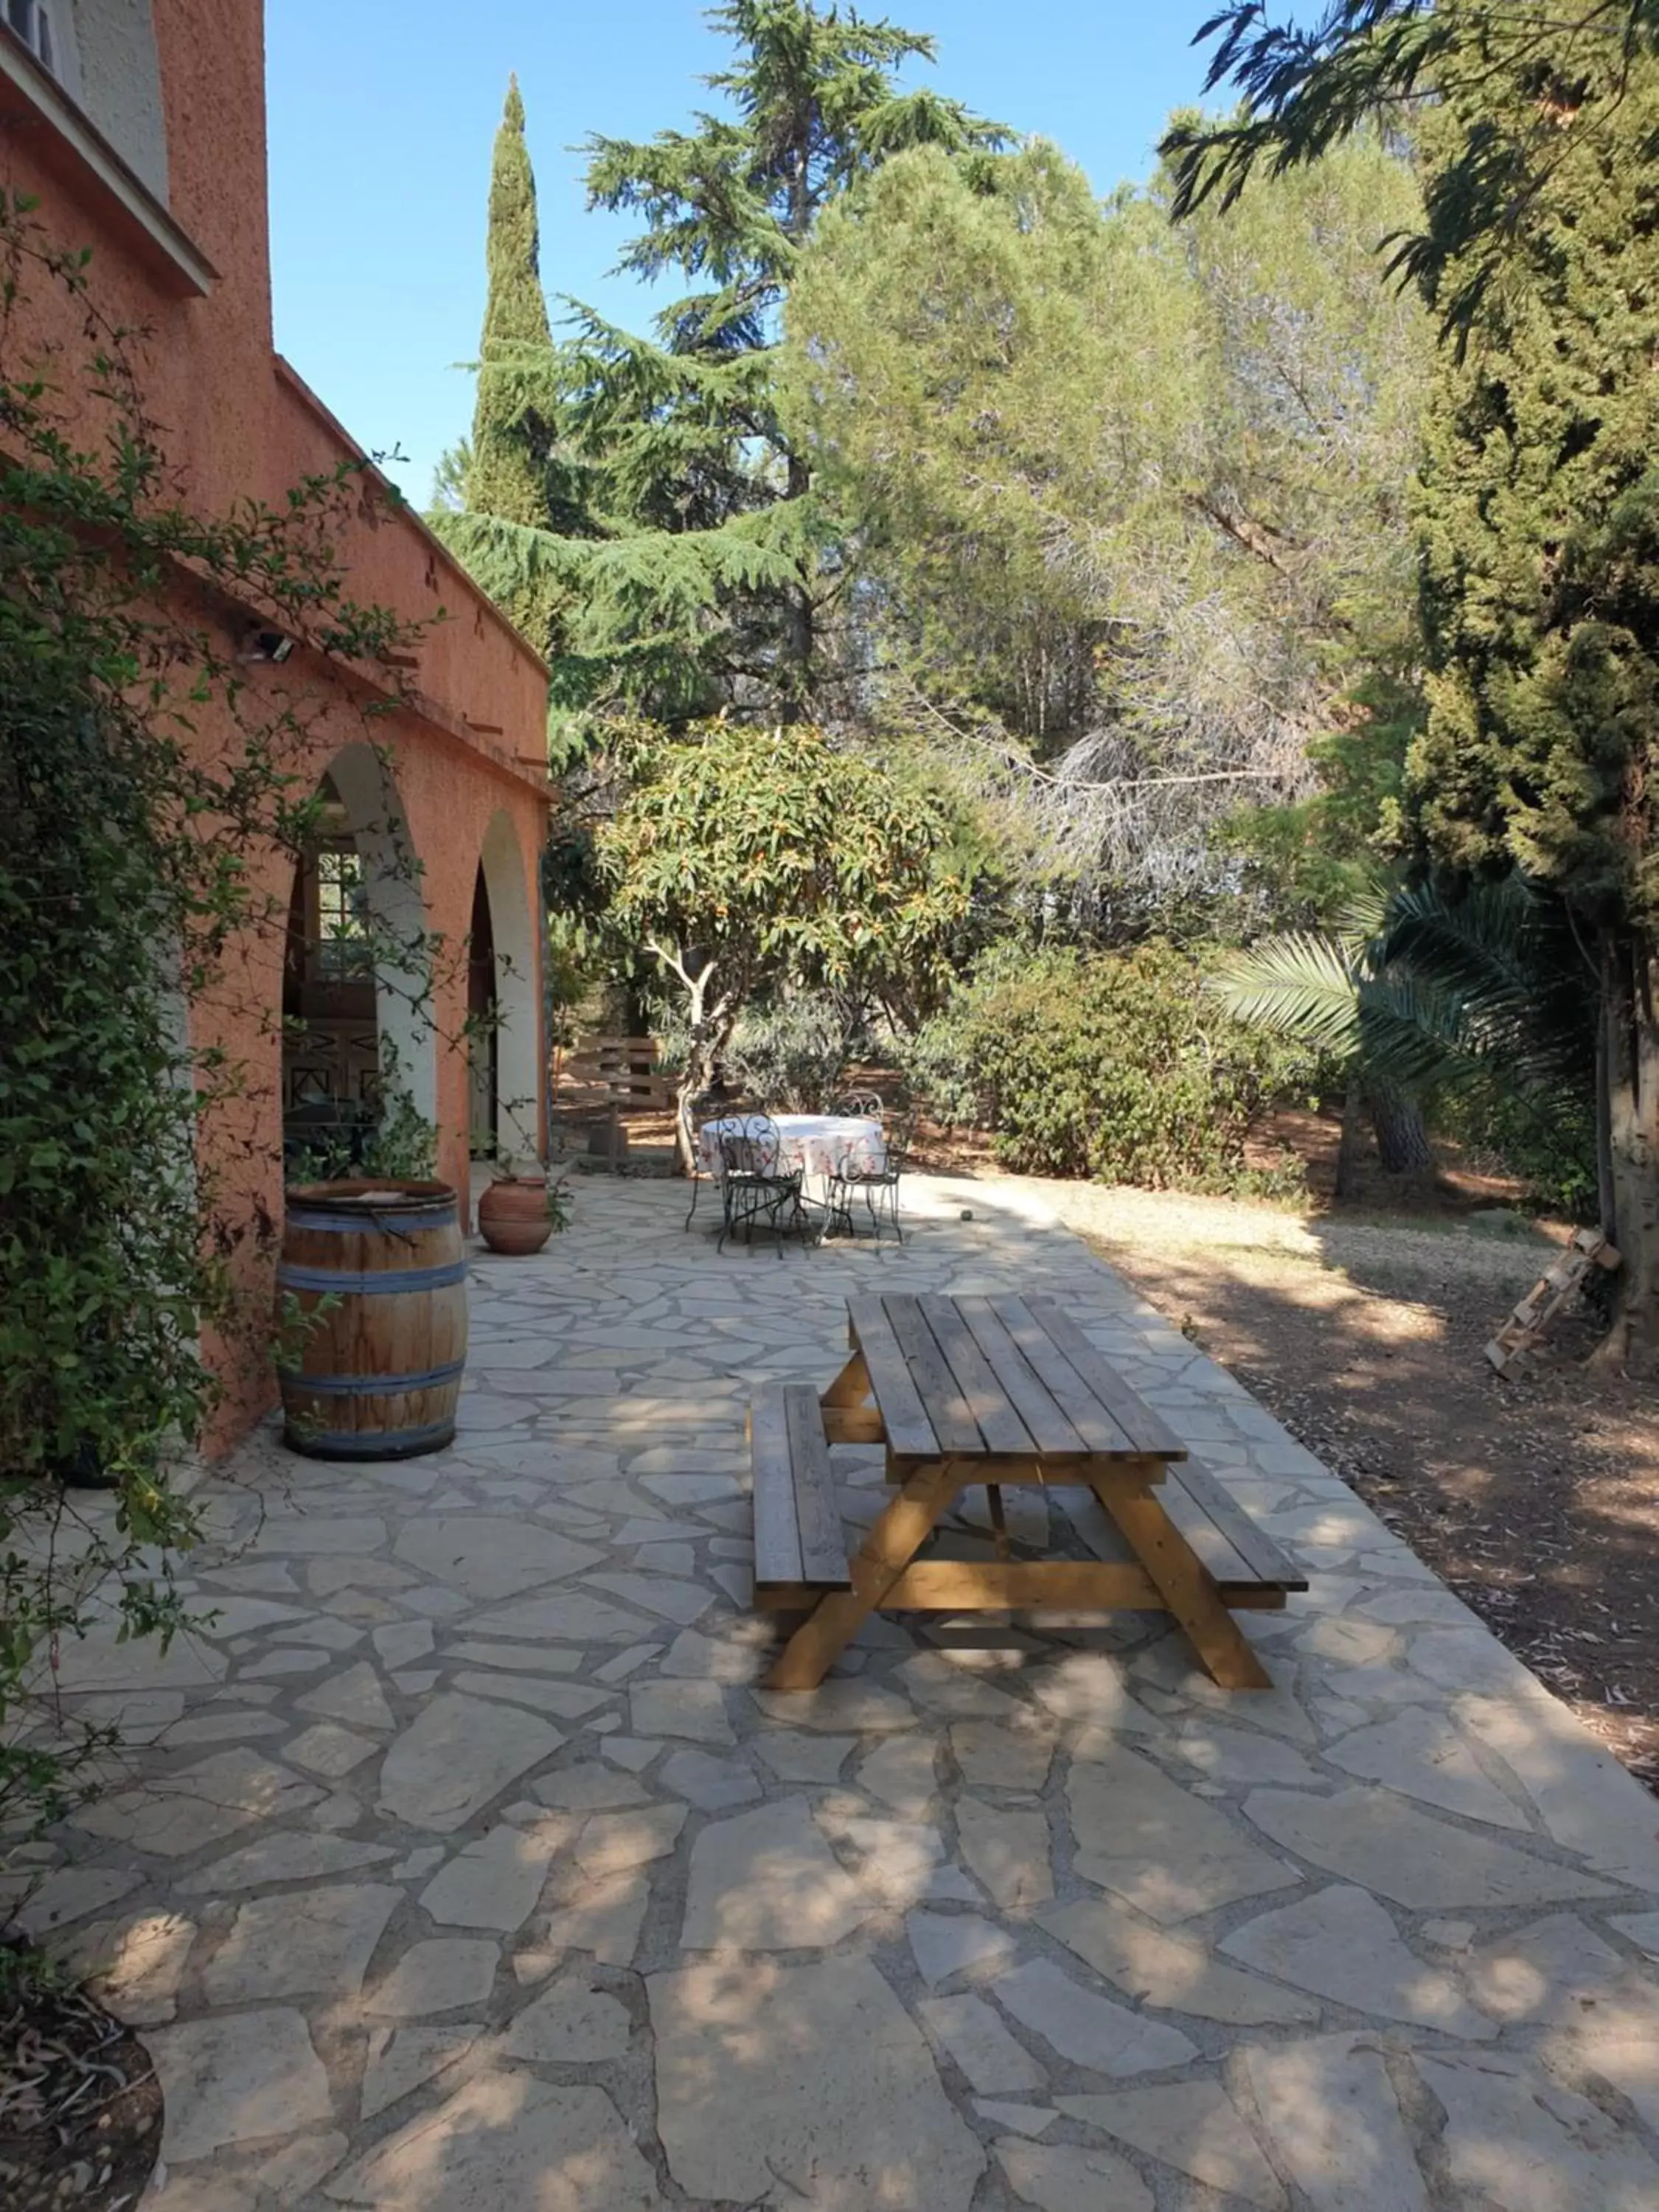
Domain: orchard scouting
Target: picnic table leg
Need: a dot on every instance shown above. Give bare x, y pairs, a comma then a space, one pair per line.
893, 1540
850, 1387
1185, 1586
999, 1517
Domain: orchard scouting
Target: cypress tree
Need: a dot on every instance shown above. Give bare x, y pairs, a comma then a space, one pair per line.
1540, 515
506, 468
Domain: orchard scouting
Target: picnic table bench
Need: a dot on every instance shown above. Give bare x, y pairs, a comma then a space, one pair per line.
993, 1390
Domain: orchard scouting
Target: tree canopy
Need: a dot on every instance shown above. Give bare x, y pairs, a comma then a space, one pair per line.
1539, 604
768, 854
1175, 554
701, 582
1305, 87
1539, 517
504, 470
1124, 499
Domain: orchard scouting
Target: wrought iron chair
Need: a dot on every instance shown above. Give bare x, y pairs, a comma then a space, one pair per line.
879, 1186
705, 1107
756, 1187
860, 1106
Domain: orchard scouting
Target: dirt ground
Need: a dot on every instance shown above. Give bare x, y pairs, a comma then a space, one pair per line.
80, 2104
1537, 1502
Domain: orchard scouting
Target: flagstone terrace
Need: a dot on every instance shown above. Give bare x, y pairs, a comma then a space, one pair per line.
469, 1866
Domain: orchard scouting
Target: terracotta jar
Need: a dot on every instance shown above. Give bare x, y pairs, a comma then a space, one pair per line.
513, 1215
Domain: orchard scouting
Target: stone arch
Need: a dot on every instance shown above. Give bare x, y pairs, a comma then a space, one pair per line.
404, 1014
518, 1051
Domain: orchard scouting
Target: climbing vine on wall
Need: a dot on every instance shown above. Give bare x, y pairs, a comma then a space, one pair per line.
149, 777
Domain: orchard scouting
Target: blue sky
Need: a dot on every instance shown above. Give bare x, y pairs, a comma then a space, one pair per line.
381, 114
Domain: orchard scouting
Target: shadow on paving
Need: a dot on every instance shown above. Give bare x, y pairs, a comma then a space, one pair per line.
470, 1870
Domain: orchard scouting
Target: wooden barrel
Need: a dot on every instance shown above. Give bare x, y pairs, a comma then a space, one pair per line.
378, 1371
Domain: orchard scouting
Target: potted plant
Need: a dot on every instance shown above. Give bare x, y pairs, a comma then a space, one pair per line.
521, 1208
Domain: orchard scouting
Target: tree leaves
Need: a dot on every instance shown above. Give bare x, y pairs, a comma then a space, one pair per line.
701, 590
1305, 89
781, 858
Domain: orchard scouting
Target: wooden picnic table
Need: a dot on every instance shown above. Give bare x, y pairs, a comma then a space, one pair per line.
993, 1390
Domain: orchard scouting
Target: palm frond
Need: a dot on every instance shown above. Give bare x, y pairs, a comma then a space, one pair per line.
1363, 918
1415, 1036
1482, 942
1300, 984
1429, 990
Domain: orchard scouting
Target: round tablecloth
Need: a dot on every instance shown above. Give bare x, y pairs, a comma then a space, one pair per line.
817, 1144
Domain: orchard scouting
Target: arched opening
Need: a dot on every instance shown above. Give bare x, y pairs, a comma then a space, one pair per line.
357, 1023
503, 904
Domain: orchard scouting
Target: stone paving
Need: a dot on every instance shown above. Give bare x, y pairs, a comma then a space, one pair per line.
467, 1867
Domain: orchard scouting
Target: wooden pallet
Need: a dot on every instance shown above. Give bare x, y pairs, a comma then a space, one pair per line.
1510, 1350
607, 1074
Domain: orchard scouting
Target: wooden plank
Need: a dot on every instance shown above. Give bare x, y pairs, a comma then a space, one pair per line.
998, 1419
1189, 1590
791, 1597
918, 1590
848, 1416
782, 1597
854, 1424
636, 1091
998, 1518
1149, 1436
822, 1546
777, 1533
995, 1585
1053, 1434
850, 1387
1263, 1559
1103, 1435
1047, 1473
1204, 1539
909, 1431
1511, 1350
949, 1414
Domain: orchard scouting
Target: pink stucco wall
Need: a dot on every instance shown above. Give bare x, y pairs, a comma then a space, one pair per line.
236, 422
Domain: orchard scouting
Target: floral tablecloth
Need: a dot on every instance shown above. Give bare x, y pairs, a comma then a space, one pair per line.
817, 1144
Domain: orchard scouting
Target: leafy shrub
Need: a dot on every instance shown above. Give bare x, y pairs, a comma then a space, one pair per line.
1116, 1066
1545, 1139
793, 1055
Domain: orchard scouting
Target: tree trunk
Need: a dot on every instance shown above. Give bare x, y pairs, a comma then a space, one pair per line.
1402, 1142
707, 1035
1628, 1087
1347, 1151
799, 612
